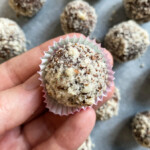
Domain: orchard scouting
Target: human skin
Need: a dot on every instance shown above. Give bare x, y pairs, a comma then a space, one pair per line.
24, 122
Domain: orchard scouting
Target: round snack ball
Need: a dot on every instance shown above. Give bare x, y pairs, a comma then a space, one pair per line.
127, 41
76, 75
26, 7
78, 16
141, 128
12, 39
110, 108
87, 145
138, 10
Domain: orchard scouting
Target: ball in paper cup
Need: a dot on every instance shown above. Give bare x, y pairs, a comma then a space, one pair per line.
76, 74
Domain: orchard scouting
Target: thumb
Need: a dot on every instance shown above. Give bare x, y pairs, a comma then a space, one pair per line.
72, 133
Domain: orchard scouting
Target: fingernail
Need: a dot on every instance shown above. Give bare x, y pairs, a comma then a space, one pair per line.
32, 83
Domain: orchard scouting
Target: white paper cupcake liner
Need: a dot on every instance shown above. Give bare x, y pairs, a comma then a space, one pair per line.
52, 104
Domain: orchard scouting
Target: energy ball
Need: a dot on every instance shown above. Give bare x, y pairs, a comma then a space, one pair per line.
78, 16
87, 145
12, 39
127, 41
76, 75
26, 7
138, 10
141, 128
110, 108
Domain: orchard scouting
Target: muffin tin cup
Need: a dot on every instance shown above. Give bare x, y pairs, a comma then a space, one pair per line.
52, 104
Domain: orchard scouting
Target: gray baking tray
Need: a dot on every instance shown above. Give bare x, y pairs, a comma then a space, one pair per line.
132, 80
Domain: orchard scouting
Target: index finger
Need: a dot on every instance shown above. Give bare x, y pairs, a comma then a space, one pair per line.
18, 69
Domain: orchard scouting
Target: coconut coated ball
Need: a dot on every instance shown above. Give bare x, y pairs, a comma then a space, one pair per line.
76, 75
78, 16
127, 41
12, 39
26, 7
110, 108
138, 10
87, 145
141, 128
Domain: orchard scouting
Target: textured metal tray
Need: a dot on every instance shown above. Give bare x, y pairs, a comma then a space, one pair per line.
133, 81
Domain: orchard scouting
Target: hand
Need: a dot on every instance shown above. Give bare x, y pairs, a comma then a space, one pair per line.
24, 122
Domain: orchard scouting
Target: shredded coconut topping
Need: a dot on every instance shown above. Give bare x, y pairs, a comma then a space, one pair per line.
12, 39
78, 16
138, 10
26, 7
110, 108
141, 128
127, 41
76, 75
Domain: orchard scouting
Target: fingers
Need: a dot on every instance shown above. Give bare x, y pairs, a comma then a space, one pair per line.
20, 68
72, 133
34, 132
41, 110
47, 124
19, 103
13, 140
